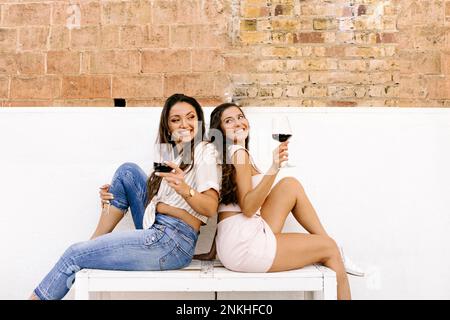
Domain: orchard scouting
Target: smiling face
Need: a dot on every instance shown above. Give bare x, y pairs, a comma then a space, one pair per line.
235, 125
183, 122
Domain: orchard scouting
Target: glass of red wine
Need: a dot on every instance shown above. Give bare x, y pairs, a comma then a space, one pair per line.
162, 152
281, 131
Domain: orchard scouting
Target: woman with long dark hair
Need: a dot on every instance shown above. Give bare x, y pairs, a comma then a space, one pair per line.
167, 208
253, 210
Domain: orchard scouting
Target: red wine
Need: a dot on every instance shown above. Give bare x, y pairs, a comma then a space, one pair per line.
281, 137
161, 167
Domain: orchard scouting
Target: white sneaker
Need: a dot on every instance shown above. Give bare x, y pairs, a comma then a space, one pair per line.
350, 266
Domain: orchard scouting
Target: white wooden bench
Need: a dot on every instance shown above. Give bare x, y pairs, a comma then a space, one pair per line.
316, 281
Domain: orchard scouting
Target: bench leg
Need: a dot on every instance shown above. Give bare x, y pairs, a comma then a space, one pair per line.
329, 288
82, 288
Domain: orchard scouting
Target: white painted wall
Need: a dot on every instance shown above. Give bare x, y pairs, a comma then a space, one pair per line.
378, 177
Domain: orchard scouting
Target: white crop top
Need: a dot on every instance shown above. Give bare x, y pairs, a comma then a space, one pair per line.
256, 179
205, 175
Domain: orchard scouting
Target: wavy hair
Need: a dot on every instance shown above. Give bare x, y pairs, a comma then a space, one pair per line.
164, 136
228, 190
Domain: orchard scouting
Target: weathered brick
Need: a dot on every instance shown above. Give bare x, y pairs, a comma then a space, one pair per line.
34, 38
41, 87
325, 24
259, 3
428, 38
445, 63
4, 87
267, 78
189, 11
312, 64
90, 13
386, 37
254, 12
382, 91
140, 87
207, 60
291, 24
259, 37
115, 62
166, 60
281, 38
109, 36
421, 13
352, 65
194, 84
145, 36
85, 37
248, 25
438, 88
85, 102
8, 63
348, 11
383, 65
362, 9
85, 62
59, 38
341, 103
333, 51
368, 38
296, 77
364, 52
182, 36
328, 9
164, 11
338, 77
282, 52
270, 66
343, 92
30, 63
379, 77
240, 64
127, 12
8, 39
27, 14
283, 10
412, 86
309, 37
27, 103
271, 92
63, 62
213, 11
86, 87
389, 24
211, 36
313, 91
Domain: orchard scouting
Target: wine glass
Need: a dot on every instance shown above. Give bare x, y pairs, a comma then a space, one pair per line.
162, 152
281, 131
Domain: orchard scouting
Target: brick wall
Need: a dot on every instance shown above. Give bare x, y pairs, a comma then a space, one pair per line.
262, 52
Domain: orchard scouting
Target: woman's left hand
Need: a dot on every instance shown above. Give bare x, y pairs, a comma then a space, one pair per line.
175, 179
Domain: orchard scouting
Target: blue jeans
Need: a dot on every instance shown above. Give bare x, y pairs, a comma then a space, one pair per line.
169, 244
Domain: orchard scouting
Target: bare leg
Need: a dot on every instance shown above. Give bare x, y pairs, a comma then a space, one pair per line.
288, 196
296, 250
108, 221
33, 297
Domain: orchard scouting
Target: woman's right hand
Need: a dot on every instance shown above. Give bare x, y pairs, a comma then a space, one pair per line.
280, 154
105, 196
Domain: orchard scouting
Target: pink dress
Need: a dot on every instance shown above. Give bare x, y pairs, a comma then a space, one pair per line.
245, 244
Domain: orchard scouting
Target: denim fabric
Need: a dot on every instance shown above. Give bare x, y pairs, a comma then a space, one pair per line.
169, 244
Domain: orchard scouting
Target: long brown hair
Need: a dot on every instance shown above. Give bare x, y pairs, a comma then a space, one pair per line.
228, 190
164, 136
